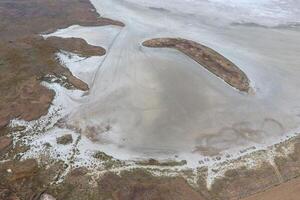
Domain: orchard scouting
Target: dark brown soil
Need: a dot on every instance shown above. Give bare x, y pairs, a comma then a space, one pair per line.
286, 191
25, 57
65, 139
129, 185
24, 63
26, 180
5, 143
27, 17
208, 58
76, 45
242, 182
138, 185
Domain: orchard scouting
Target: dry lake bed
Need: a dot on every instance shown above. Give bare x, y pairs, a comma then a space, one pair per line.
156, 95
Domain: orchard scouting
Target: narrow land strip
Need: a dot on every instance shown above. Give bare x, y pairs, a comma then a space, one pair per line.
206, 57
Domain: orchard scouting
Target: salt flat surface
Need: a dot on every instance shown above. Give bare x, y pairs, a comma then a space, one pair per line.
159, 103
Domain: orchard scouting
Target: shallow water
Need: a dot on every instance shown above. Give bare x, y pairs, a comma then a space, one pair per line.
160, 103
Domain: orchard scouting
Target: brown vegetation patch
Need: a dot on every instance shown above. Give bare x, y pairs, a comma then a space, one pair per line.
285, 191
139, 184
242, 182
27, 17
132, 185
6, 194
75, 45
5, 143
25, 58
25, 180
289, 166
65, 139
208, 58
24, 63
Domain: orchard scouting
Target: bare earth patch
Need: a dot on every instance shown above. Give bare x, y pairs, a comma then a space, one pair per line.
27, 17
75, 45
24, 64
25, 57
289, 190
